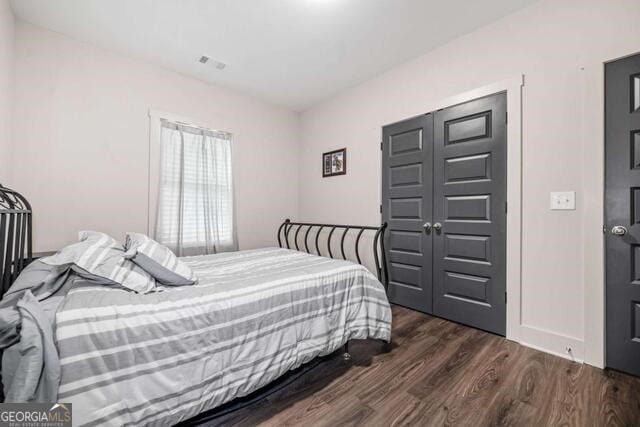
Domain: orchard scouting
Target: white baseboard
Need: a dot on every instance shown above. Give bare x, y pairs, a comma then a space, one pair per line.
551, 342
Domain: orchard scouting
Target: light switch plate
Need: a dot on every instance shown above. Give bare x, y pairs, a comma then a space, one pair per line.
562, 200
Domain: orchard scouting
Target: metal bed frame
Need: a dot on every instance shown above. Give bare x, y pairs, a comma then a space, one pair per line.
15, 240
15, 236
379, 255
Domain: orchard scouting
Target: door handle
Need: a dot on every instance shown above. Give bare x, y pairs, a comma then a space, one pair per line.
437, 226
616, 230
427, 227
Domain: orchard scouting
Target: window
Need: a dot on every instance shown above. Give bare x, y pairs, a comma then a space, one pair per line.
195, 203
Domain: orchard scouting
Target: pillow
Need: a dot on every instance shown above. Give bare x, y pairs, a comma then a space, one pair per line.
99, 258
158, 261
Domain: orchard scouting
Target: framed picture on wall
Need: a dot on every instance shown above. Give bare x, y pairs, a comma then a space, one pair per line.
334, 163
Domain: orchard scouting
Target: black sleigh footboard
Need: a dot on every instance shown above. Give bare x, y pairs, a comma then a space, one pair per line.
316, 239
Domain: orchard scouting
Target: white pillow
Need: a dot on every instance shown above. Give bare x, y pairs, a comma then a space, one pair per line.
158, 260
98, 257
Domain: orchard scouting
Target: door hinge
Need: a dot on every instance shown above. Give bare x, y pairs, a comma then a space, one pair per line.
505, 207
380, 208
505, 297
604, 229
506, 117
380, 145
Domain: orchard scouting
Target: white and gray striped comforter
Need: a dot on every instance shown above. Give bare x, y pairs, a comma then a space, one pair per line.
130, 359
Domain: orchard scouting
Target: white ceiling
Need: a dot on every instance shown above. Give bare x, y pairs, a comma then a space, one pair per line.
290, 52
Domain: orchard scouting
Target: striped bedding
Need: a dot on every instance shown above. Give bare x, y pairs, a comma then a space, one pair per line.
130, 359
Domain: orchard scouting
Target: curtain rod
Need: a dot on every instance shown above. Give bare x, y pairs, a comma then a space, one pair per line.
196, 126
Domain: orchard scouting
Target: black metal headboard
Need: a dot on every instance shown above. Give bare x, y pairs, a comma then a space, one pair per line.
379, 256
15, 236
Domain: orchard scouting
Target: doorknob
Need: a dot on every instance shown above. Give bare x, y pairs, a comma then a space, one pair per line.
427, 227
617, 230
437, 226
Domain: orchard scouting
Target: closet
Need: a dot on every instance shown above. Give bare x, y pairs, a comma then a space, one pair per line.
444, 189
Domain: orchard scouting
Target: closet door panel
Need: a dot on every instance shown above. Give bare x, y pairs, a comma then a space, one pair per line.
407, 194
469, 172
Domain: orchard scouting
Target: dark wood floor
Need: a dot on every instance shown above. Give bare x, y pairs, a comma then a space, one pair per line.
442, 373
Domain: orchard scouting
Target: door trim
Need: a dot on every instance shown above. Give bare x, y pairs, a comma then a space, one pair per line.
513, 87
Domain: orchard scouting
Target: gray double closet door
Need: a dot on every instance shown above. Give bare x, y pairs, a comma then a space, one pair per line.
444, 199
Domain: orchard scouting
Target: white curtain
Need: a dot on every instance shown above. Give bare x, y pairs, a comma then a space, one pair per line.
195, 204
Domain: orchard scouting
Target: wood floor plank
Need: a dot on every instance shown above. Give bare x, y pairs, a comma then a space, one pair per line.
456, 362
408, 367
442, 373
468, 403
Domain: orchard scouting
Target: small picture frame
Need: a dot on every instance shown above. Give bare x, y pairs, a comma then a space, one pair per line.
334, 163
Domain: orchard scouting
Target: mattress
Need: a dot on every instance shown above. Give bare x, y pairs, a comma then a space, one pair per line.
157, 359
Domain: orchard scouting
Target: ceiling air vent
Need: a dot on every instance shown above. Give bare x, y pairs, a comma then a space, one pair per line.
204, 59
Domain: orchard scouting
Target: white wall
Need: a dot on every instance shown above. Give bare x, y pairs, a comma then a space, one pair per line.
7, 27
560, 47
81, 126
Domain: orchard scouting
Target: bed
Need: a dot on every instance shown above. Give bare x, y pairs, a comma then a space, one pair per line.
165, 357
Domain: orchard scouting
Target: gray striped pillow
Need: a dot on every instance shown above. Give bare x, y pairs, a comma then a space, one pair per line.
158, 260
98, 257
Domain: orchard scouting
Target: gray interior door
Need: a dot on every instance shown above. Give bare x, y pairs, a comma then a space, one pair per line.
407, 194
622, 211
469, 238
